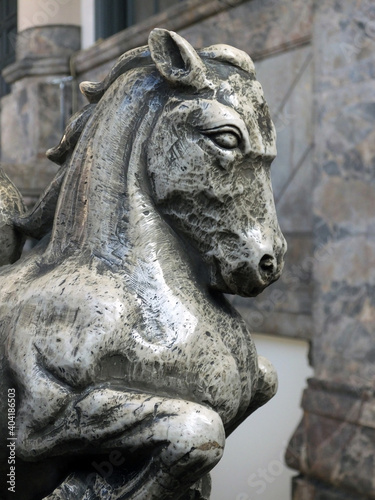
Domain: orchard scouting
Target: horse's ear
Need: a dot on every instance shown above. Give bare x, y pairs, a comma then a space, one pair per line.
176, 59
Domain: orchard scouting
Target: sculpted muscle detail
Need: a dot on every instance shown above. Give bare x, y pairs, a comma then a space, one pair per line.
115, 332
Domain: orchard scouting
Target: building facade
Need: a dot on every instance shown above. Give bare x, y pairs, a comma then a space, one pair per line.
316, 62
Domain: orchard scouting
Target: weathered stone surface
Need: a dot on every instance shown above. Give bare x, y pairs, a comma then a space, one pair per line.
43, 50
32, 118
315, 490
335, 441
117, 343
17, 128
265, 29
291, 104
174, 18
338, 455
286, 307
344, 43
262, 27
48, 41
11, 204
34, 115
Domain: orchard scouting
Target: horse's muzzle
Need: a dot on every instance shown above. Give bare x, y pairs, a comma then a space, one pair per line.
249, 282
255, 268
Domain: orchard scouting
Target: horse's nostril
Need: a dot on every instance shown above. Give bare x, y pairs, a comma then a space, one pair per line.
267, 264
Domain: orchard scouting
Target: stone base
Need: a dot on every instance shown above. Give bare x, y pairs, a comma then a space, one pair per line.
309, 489
334, 443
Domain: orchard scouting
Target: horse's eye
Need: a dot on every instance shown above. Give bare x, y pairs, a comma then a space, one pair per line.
224, 137
227, 140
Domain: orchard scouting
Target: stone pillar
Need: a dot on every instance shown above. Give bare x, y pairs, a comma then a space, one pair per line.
32, 13
334, 446
34, 114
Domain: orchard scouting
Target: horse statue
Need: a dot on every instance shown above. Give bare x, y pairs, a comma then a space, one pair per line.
126, 365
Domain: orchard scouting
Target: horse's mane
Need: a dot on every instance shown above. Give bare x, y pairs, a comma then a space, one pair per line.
39, 220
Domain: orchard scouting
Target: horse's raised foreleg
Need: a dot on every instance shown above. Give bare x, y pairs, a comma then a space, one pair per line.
185, 440
180, 440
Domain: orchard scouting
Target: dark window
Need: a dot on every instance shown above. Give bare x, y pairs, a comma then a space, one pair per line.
8, 31
112, 16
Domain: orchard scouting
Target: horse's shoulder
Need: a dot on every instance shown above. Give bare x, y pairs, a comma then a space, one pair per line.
64, 318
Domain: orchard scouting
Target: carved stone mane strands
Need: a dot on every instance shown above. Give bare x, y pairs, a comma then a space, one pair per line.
115, 333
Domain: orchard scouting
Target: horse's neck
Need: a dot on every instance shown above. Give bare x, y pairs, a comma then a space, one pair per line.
154, 248
161, 268
150, 242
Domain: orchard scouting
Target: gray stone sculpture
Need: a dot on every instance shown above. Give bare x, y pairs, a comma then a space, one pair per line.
126, 366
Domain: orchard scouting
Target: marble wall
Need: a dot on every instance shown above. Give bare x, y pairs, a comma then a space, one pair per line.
316, 62
335, 443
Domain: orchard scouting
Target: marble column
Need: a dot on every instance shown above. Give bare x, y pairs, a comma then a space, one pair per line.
34, 114
334, 446
32, 13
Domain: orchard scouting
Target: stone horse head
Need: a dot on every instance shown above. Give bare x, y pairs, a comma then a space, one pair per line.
128, 364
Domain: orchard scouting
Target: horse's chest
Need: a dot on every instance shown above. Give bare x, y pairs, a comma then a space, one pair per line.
206, 360
201, 356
